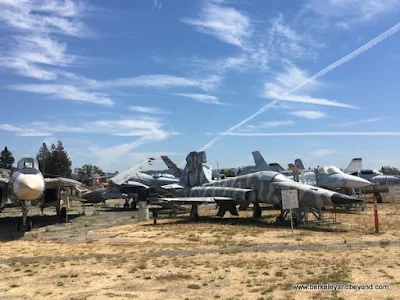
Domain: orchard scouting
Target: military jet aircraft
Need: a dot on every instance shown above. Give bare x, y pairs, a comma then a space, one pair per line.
132, 185
26, 186
330, 177
259, 187
380, 182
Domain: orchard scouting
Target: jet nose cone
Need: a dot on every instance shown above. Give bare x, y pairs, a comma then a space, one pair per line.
356, 182
28, 187
340, 199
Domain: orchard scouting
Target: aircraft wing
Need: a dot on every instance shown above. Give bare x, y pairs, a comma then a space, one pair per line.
52, 183
192, 200
120, 178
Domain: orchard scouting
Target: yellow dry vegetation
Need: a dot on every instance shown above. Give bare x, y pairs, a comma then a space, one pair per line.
229, 258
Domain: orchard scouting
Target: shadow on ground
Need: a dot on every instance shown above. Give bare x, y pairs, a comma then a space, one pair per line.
8, 225
263, 222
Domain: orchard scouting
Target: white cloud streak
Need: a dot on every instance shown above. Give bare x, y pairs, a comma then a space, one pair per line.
309, 114
156, 81
353, 10
265, 125
209, 99
140, 126
285, 41
322, 133
357, 122
20, 131
65, 92
324, 71
225, 23
148, 109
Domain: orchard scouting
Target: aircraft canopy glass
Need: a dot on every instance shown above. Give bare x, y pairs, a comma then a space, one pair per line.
28, 163
330, 170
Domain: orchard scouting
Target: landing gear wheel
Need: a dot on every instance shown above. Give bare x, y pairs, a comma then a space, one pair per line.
133, 205
295, 222
378, 197
28, 227
126, 205
279, 219
63, 213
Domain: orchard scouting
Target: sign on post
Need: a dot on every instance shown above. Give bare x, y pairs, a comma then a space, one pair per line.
290, 201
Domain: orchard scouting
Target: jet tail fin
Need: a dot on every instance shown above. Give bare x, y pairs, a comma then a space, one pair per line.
172, 166
299, 164
196, 171
354, 166
261, 164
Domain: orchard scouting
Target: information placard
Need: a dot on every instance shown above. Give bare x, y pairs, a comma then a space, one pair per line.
290, 199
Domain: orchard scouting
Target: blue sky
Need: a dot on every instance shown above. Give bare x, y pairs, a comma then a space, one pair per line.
118, 81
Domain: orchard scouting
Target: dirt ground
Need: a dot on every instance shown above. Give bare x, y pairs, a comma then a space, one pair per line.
106, 253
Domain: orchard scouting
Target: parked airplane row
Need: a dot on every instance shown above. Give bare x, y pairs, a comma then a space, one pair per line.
194, 185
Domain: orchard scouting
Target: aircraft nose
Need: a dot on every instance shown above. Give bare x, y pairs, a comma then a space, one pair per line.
356, 182
28, 187
340, 199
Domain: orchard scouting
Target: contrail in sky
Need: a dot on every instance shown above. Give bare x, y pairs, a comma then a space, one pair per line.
321, 73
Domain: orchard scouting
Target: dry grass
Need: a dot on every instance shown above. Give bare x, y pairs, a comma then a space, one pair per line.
168, 261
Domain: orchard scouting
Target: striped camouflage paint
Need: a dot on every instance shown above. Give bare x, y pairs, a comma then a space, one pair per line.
265, 186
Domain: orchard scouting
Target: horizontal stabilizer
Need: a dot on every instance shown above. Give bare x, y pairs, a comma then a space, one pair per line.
276, 167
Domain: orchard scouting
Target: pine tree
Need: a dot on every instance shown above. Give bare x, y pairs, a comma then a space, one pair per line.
6, 159
42, 157
62, 161
55, 161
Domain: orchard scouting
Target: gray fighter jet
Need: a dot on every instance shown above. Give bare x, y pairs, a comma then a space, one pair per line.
380, 182
330, 177
259, 187
26, 186
132, 185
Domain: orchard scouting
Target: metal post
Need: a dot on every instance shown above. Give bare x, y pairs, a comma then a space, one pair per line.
291, 219
376, 215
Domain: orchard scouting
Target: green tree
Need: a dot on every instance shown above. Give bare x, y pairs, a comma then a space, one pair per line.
388, 170
56, 160
229, 173
42, 157
87, 171
6, 159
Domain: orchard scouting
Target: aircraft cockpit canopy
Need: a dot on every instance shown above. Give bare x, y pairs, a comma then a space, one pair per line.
28, 163
329, 170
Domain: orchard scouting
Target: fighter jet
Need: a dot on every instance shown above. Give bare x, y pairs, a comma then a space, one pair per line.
380, 182
330, 177
132, 185
26, 186
259, 187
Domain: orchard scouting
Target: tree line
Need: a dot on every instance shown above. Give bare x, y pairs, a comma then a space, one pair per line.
53, 160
